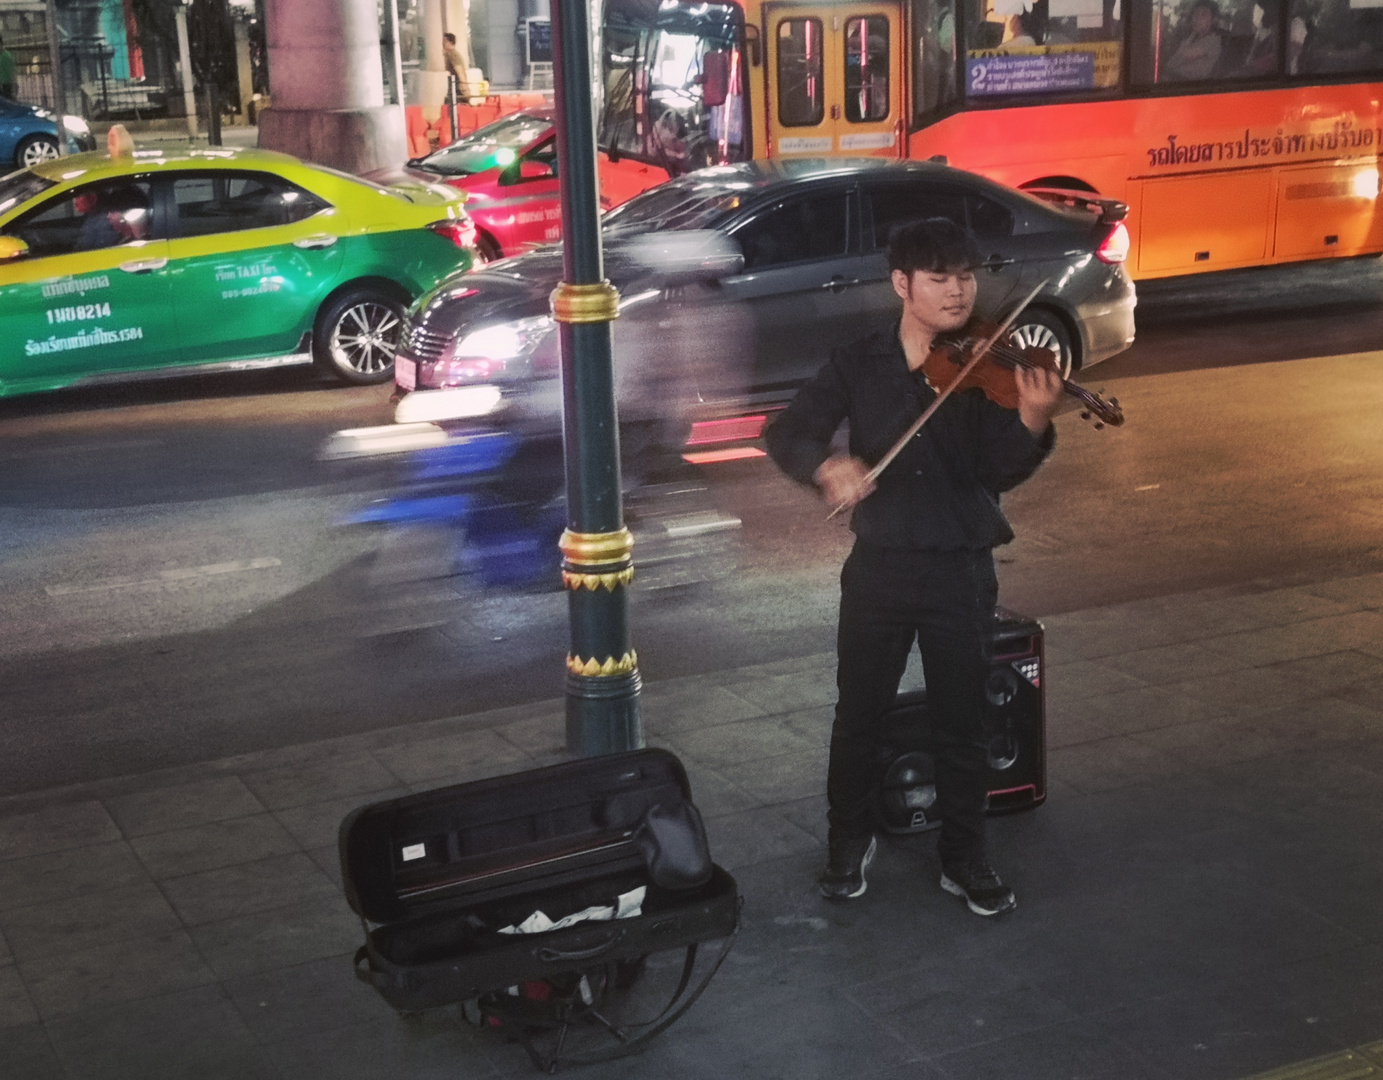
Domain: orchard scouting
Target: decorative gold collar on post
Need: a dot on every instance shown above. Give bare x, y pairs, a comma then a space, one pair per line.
583, 550
585, 303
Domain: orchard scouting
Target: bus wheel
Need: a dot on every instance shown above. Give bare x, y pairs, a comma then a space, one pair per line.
1043, 330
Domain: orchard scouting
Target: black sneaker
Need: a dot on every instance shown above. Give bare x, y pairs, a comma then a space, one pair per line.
979, 885
843, 878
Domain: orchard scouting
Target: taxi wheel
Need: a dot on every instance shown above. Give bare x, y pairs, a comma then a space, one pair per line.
35, 150
1043, 330
357, 335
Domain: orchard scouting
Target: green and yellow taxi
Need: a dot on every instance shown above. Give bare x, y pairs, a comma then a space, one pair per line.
116, 266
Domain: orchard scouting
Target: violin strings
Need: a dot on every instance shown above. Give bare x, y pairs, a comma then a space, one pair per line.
1016, 357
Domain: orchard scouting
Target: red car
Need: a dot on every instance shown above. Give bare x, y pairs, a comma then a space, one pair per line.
508, 171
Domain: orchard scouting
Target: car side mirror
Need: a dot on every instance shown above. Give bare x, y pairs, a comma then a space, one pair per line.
11, 247
682, 257
523, 169
715, 78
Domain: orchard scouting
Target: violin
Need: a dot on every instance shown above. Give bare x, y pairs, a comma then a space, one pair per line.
996, 370
990, 351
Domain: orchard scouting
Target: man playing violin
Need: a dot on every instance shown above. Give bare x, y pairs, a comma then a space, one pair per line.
922, 566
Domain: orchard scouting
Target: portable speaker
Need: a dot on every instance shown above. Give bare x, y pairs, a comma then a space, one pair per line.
1015, 730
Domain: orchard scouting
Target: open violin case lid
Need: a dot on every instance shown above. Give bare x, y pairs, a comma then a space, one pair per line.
450, 877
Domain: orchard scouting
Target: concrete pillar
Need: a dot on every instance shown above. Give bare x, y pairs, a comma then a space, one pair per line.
327, 86
506, 63
432, 73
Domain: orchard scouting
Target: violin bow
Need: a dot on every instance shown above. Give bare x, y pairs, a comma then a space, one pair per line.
942, 395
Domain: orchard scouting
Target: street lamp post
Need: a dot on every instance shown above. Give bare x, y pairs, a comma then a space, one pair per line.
597, 565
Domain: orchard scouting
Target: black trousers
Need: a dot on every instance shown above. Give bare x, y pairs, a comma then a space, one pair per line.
944, 601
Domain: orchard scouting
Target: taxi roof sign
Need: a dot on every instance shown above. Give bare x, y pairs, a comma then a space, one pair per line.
119, 142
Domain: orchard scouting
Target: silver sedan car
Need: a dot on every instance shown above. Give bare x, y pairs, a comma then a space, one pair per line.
791, 261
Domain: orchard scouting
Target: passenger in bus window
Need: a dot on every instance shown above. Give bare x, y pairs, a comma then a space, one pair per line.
935, 85
1199, 52
1262, 55
1340, 39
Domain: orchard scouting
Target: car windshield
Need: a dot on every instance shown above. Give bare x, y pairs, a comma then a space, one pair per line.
493, 145
20, 187
677, 205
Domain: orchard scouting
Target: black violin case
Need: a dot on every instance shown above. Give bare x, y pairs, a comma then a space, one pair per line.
441, 872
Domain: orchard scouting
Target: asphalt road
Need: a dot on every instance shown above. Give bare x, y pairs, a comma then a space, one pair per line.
173, 586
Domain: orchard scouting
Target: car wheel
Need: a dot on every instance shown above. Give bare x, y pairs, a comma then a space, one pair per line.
488, 248
1043, 330
35, 150
357, 335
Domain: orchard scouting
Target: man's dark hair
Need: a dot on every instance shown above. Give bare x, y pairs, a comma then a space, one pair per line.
935, 246
449, 38
120, 199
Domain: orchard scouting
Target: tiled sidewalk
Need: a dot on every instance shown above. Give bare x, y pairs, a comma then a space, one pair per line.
1201, 896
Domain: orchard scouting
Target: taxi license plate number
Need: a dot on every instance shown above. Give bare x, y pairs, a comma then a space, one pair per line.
405, 373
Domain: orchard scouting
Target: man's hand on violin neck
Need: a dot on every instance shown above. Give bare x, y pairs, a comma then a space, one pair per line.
1039, 397
843, 480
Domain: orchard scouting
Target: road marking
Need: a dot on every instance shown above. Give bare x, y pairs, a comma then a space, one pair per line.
1148, 487
167, 577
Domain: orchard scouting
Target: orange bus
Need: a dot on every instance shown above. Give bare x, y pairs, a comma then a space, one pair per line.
1233, 142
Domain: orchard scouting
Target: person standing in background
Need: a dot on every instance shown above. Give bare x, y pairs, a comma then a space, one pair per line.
458, 66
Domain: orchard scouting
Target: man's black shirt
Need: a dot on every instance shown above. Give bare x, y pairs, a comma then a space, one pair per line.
942, 491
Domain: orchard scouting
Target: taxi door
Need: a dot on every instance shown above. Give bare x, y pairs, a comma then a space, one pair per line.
251, 256
88, 298
835, 80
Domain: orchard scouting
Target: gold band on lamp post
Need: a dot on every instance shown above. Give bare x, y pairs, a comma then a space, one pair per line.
581, 550
585, 303
595, 669
592, 582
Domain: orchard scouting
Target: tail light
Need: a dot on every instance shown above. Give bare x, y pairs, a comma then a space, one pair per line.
460, 231
1114, 247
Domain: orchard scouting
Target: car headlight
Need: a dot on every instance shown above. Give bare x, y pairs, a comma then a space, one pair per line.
493, 351
76, 125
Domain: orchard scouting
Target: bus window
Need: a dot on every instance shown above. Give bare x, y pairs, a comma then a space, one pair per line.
866, 69
800, 91
934, 80
1043, 47
1342, 36
1180, 41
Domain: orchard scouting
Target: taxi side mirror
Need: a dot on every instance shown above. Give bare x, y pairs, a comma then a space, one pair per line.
11, 247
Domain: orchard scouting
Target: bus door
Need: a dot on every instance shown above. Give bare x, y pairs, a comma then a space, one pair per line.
835, 80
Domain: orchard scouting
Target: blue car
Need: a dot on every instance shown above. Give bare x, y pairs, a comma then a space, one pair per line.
29, 135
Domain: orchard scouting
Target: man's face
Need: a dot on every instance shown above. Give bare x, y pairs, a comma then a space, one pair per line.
1202, 21
939, 302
